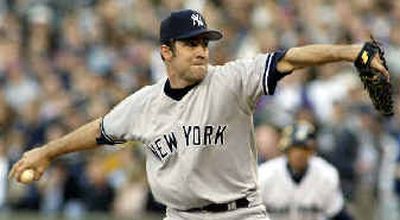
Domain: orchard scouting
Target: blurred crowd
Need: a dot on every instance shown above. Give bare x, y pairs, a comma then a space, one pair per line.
65, 62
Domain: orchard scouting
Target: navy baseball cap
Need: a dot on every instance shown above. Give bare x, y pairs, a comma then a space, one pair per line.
186, 24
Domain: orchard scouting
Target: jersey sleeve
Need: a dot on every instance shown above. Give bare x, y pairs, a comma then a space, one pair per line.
251, 78
262, 177
119, 125
271, 75
266, 173
334, 201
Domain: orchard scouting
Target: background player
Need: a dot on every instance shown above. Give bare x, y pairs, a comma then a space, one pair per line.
300, 185
196, 124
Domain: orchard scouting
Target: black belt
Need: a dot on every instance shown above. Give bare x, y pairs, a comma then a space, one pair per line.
223, 207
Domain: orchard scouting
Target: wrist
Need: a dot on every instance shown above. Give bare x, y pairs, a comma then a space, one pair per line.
48, 151
352, 52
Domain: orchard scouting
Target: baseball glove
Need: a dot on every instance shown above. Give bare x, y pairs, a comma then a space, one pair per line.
377, 84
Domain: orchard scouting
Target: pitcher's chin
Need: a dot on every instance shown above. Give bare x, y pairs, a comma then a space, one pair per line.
199, 72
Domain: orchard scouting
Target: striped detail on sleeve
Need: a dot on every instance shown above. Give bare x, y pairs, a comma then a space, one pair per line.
267, 69
271, 75
105, 138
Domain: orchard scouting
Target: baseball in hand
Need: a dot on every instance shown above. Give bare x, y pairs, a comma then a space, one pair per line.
27, 176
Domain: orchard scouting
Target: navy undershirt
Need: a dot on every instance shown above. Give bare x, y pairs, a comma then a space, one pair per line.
177, 94
296, 176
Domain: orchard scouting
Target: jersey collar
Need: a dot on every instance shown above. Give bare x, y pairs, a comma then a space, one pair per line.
177, 94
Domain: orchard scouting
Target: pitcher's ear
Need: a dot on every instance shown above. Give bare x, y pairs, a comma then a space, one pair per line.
167, 52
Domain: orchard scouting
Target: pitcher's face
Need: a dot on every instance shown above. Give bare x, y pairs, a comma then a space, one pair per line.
190, 59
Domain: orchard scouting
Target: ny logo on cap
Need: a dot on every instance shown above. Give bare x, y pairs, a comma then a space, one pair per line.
197, 20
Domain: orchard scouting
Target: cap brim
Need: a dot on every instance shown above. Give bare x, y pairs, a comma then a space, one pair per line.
211, 35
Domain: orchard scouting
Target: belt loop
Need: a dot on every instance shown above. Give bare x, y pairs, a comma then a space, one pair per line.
232, 206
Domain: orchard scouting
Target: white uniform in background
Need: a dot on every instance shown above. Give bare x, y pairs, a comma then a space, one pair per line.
316, 197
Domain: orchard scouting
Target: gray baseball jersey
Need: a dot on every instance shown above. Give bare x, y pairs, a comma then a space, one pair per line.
200, 149
317, 196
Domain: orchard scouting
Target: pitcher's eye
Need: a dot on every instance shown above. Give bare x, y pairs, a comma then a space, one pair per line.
193, 43
196, 42
205, 42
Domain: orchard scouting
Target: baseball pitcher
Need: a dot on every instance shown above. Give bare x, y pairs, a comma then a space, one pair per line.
196, 124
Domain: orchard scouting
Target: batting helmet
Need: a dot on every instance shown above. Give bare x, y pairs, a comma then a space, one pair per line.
301, 134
